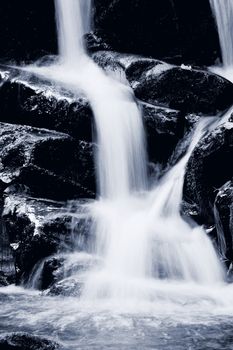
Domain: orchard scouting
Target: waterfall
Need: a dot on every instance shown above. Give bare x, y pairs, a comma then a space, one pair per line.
138, 234
223, 13
121, 158
72, 23
144, 239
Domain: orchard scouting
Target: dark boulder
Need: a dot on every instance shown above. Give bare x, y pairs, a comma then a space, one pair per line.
164, 128
25, 99
61, 273
71, 275
208, 169
40, 228
223, 213
95, 43
68, 287
164, 29
181, 88
25, 341
46, 273
28, 29
111, 63
51, 164
4, 281
31, 101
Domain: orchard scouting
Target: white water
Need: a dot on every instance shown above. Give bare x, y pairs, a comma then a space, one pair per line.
159, 283
140, 236
144, 239
76, 18
223, 12
121, 156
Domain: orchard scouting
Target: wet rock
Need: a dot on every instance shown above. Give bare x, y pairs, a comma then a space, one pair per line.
181, 88
46, 273
51, 164
164, 128
95, 43
50, 272
208, 169
38, 229
110, 62
25, 341
162, 29
3, 279
139, 69
71, 274
34, 104
223, 213
58, 275
69, 287
25, 99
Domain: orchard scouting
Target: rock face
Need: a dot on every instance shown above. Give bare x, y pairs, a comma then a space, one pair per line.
49, 272
164, 29
223, 211
31, 157
27, 100
164, 127
3, 279
38, 229
182, 88
208, 168
24, 341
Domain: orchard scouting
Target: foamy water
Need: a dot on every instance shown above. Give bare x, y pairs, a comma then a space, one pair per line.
150, 271
138, 233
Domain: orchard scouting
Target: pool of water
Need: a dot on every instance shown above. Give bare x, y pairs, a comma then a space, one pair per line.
180, 317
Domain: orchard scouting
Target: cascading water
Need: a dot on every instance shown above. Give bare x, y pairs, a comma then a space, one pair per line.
121, 156
77, 21
223, 13
144, 239
157, 282
139, 236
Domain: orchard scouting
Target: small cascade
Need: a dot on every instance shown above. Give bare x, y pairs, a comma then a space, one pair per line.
139, 236
143, 240
223, 13
121, 155
180, 242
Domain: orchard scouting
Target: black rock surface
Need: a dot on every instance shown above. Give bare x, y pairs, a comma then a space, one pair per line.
25, 341
51, 164
181, 88
209, 168
26, 99
223, 212
38, 229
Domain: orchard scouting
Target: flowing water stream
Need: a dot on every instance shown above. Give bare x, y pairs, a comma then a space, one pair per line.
223, 13
157, 282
